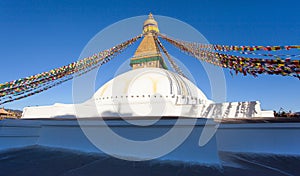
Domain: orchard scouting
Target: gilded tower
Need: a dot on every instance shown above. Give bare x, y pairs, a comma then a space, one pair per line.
148, 53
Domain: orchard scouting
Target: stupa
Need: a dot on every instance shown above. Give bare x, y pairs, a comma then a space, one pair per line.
149, 89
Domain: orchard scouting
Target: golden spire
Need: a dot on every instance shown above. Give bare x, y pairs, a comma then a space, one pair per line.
148, 53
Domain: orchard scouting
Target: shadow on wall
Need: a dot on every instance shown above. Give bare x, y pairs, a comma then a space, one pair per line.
114, 114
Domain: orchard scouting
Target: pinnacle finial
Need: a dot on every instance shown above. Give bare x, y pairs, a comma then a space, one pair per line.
150, 25
150, 16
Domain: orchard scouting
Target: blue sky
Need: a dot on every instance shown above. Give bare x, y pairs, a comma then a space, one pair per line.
37, 36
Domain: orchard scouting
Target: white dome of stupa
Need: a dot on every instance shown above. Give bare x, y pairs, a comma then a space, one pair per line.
147, 92
149, 82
